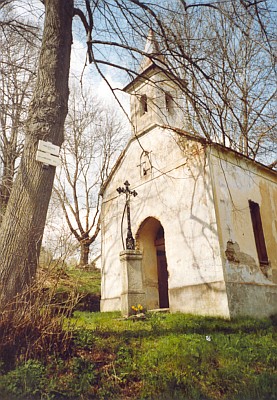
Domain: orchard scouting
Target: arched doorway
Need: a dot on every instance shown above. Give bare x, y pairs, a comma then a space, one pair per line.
151, 241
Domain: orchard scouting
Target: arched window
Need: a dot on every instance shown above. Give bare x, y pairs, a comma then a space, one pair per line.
143, 104
145, 164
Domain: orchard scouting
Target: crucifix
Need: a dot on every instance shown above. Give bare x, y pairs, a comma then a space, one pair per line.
130, 242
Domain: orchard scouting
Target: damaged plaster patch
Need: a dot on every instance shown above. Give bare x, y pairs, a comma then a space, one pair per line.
234, 255
242, 266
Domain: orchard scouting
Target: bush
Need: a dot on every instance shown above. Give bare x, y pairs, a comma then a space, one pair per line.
31, 328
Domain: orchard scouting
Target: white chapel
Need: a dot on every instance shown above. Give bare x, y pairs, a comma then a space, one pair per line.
186, 225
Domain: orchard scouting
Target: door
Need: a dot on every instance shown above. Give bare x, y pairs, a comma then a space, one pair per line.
162, 279
162, 269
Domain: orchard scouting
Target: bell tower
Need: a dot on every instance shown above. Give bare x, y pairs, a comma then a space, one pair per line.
156, 97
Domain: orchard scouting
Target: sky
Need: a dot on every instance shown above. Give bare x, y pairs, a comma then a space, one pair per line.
34, 11
86, 74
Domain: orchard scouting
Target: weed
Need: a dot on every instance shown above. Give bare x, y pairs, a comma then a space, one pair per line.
83, 339
156, 323
26, 380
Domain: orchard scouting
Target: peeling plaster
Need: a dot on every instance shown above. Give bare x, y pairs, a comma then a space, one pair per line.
234, 255
243, 267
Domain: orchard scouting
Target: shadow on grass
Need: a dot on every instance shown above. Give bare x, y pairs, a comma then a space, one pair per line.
161, 325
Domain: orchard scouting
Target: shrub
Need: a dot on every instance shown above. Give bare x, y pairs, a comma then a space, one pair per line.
31, 327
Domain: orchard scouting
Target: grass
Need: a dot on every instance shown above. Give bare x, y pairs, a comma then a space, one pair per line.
63, 281
80, 280
86, 281
92, 355
165, 356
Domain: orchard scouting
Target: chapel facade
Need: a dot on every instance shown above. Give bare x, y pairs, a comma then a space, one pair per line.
203, 221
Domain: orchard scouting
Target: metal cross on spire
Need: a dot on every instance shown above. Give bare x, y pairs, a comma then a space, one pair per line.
130, 242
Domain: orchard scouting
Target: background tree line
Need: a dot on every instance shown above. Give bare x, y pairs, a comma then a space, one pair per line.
93, 137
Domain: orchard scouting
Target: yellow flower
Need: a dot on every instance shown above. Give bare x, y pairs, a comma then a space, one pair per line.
137, 308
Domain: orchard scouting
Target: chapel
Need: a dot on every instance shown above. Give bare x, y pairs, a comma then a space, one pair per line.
187, 225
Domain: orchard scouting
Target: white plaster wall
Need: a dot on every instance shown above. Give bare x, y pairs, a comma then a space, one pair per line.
178, 193
236, 180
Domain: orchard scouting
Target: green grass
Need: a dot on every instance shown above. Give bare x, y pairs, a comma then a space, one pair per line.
80, 280
65, 283
166, 356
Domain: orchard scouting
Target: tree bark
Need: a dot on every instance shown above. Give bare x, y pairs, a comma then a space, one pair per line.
6, 182
84, 256
23, 224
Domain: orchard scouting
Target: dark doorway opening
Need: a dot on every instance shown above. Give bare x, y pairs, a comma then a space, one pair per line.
162, 269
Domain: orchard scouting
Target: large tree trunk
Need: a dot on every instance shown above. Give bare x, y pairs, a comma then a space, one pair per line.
24, 220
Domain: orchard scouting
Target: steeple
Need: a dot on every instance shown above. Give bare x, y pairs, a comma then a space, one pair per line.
155, 94
155, 56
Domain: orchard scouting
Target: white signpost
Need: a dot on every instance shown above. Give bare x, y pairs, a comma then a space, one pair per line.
48, 153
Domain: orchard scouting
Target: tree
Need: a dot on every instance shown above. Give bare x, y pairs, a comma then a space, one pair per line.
119, 25
17, 61
219, 53
94, 136
24, 220
234, 106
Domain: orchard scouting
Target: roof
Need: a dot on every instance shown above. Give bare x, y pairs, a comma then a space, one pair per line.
152, 60
153, 49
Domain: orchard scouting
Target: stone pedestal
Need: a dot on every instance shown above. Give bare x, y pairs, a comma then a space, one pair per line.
131, 277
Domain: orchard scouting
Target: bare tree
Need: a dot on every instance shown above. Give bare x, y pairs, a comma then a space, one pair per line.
116, 28
234, 106
17, 18
17, 75
94, 136
57, 237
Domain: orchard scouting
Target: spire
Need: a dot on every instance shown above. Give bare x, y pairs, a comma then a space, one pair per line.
151, 48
